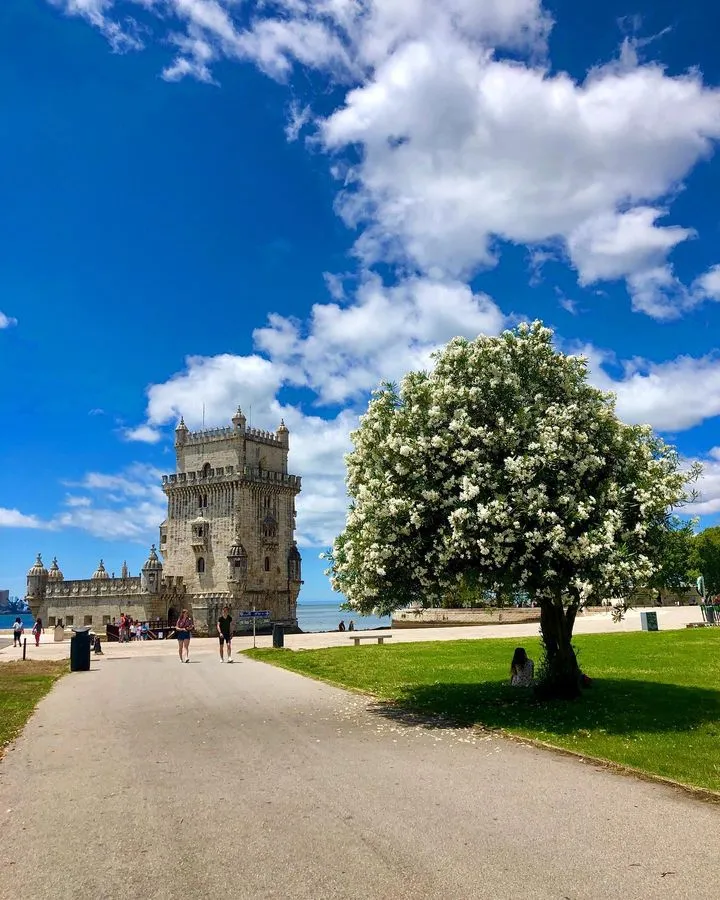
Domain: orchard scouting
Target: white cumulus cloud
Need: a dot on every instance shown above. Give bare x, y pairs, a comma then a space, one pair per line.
462, 138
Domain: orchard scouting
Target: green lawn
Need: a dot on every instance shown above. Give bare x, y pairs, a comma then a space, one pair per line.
22, 686
654, 704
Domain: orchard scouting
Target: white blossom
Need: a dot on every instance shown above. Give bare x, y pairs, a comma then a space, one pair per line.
503, 462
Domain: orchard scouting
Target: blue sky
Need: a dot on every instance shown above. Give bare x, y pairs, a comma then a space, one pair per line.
280, 204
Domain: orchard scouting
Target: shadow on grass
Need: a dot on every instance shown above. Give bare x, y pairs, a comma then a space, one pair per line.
615, 707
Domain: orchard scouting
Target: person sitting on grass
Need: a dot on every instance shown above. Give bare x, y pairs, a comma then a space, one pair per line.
522, 669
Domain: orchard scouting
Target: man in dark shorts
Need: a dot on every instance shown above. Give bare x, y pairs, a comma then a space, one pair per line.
224, 627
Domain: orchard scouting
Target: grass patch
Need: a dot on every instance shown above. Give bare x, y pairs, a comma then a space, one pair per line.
22, 686
654, 704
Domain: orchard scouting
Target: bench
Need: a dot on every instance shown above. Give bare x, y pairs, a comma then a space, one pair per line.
380, 638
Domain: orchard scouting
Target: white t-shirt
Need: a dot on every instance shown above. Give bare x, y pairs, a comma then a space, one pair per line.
18, 627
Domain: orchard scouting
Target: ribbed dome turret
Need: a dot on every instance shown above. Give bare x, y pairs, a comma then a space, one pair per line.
236, 551
38, 568
152, 561
55, 574
100, 574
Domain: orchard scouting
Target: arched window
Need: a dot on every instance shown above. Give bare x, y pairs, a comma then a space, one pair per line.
202, 501
206, 470
201, 565
267, 563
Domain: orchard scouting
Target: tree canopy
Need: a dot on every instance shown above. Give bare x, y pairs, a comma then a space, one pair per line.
502, 467
706, 558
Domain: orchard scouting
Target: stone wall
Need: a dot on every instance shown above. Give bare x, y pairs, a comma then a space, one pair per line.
432, 618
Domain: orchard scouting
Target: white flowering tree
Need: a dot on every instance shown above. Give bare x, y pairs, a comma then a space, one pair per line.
505, 468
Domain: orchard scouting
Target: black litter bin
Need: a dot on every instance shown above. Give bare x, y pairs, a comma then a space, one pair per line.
278, 635
80, 649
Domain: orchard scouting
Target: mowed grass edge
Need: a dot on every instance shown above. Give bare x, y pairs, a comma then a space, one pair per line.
22, 686
654, 705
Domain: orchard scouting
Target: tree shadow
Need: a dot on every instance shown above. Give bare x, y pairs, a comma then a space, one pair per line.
614, 706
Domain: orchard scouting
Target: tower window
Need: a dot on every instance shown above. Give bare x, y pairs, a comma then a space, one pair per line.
267, 563
206, 470
202, 501
201, 565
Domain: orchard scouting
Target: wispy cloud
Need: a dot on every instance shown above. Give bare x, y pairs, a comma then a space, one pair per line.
6, 321
13, 518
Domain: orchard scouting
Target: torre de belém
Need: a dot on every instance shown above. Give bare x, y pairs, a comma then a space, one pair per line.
228, 540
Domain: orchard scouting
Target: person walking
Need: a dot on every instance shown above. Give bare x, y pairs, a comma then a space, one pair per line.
224, 627
184, 627
37, 630
18, 629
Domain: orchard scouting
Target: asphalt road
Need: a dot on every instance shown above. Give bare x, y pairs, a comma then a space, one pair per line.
148, 778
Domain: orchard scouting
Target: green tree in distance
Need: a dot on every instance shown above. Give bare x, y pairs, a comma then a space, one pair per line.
706, 558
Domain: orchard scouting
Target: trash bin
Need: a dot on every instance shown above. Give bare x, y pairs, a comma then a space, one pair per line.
278, 635
80, 649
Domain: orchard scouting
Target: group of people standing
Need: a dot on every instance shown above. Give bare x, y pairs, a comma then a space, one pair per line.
130, 629
19, 630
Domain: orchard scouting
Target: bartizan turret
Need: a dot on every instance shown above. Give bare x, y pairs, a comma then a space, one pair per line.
37, 579
151, 575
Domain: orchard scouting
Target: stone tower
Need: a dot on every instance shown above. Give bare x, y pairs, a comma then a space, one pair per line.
229, 533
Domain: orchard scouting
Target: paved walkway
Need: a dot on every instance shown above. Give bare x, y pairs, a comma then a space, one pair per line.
148, 778
670, 617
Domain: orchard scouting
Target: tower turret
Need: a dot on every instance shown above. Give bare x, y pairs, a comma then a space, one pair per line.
239, 421
55, 574
151, 574
237, 568
181, 433
100, 574
37, 578
283, 434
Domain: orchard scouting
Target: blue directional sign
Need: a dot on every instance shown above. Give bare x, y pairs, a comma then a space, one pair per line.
255, 614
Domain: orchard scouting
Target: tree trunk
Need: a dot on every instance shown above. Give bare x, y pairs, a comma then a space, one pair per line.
561, 675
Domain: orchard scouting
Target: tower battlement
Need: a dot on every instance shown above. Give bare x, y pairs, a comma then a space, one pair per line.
231, 473
211, 435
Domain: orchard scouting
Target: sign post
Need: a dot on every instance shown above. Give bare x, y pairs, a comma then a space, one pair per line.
244, 615
649, 621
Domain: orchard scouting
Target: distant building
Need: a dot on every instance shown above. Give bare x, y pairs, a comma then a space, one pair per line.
4, 599
228, 540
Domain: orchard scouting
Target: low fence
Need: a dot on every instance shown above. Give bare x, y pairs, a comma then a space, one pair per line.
434, 618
